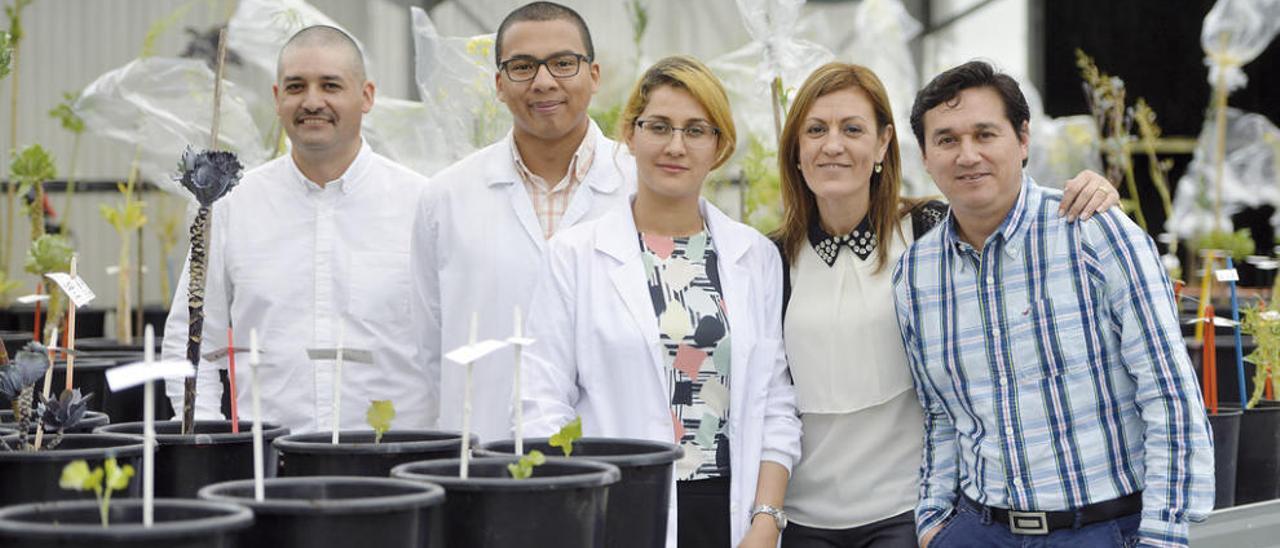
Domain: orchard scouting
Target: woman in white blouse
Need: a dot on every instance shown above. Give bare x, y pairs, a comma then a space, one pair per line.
662, 321
844, 228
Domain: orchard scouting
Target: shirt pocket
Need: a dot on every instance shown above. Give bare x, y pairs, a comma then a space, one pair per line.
1055, 342
380, 286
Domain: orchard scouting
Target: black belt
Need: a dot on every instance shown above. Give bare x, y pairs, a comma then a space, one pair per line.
1041, 523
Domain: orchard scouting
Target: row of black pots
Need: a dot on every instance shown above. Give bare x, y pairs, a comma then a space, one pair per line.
90, 320
563, 504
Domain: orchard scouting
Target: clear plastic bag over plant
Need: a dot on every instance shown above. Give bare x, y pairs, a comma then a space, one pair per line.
1060, 147
455, 78
1235, 32
161, 105
1250, 176
749, 71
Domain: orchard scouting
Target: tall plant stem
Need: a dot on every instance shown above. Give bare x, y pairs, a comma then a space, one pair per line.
65, 229
11, 190
1127, 157
195, 311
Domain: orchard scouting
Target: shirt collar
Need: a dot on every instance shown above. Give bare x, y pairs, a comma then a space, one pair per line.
346, 182
1029, 197
861, 240
578, 165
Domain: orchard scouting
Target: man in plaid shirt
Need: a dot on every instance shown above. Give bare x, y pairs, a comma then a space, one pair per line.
1060, 403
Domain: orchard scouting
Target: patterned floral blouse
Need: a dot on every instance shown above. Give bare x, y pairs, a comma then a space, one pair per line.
684, 283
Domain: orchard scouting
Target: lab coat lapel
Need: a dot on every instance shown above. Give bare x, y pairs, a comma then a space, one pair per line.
502, 176
732, 241
616, 237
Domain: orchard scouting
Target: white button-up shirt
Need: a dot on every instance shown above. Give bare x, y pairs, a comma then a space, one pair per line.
306, 265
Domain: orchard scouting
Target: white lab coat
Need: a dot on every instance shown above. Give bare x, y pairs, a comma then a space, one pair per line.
598, 353
477, 249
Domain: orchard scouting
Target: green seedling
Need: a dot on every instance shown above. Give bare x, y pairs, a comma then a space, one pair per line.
524, 468
568, 434
103, 480
379, 417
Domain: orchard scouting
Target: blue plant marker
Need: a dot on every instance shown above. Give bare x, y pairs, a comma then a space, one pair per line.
1235, 317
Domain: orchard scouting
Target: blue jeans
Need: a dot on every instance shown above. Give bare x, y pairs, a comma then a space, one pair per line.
971, 526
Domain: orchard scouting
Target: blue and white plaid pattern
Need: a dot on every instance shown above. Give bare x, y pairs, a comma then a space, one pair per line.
1052, 370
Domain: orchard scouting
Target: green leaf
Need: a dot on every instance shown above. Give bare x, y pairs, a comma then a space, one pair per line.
117, 476
65, 113
76, 476
6, 53
49, 253
33, 165
379, 417
523, 469
1239, 244
568, 434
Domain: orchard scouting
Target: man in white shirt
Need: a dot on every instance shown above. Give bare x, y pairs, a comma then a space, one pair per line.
480, 231
311, 250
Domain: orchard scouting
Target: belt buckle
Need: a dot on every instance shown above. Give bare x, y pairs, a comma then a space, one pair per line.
1028, 523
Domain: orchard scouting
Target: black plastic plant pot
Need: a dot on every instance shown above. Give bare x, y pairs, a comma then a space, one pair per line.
356, 454
100, 343
90, 320
14, 340
1226, 444
90, 378
91, 421
563, 504
638, 503
1258, 463
213, 454
178, 524
32, 476
1225, 354
337, 512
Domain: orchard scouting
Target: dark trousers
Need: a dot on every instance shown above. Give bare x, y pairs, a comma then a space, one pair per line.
896, 532
972, 526
702, 513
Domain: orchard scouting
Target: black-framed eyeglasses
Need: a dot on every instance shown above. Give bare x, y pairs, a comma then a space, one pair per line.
697, 133
523, 69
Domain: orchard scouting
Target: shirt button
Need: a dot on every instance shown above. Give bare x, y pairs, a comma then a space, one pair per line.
991, 279
995, 331
1008, 430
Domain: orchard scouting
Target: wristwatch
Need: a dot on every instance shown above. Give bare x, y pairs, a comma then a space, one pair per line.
779, 517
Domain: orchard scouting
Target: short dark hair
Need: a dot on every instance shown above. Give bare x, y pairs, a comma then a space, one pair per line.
324, 36
543, 11
945, 87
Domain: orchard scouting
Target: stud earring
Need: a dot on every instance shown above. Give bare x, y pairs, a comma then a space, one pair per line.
879, 167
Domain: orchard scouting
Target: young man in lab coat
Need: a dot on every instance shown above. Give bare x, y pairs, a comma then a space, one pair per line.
480, 231
310, 249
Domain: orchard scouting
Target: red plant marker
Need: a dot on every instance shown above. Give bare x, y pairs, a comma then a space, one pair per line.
1208, 363
231, 375
35, 336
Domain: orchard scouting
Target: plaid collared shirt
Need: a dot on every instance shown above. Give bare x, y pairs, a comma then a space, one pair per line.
1052, 370
551, 201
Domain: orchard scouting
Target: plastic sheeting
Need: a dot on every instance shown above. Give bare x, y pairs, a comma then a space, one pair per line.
1060, 147
160, 105
1235, 32
455, 78
1250, 176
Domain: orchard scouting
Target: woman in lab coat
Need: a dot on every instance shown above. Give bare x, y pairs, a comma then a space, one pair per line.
661, 320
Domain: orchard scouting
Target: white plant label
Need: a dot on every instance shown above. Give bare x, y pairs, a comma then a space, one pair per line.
215, 355
348, 354
1227, 275
74, 287
473, 352
129, 376
32, 299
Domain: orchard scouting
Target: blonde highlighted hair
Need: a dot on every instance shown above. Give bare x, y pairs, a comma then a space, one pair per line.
689, 74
